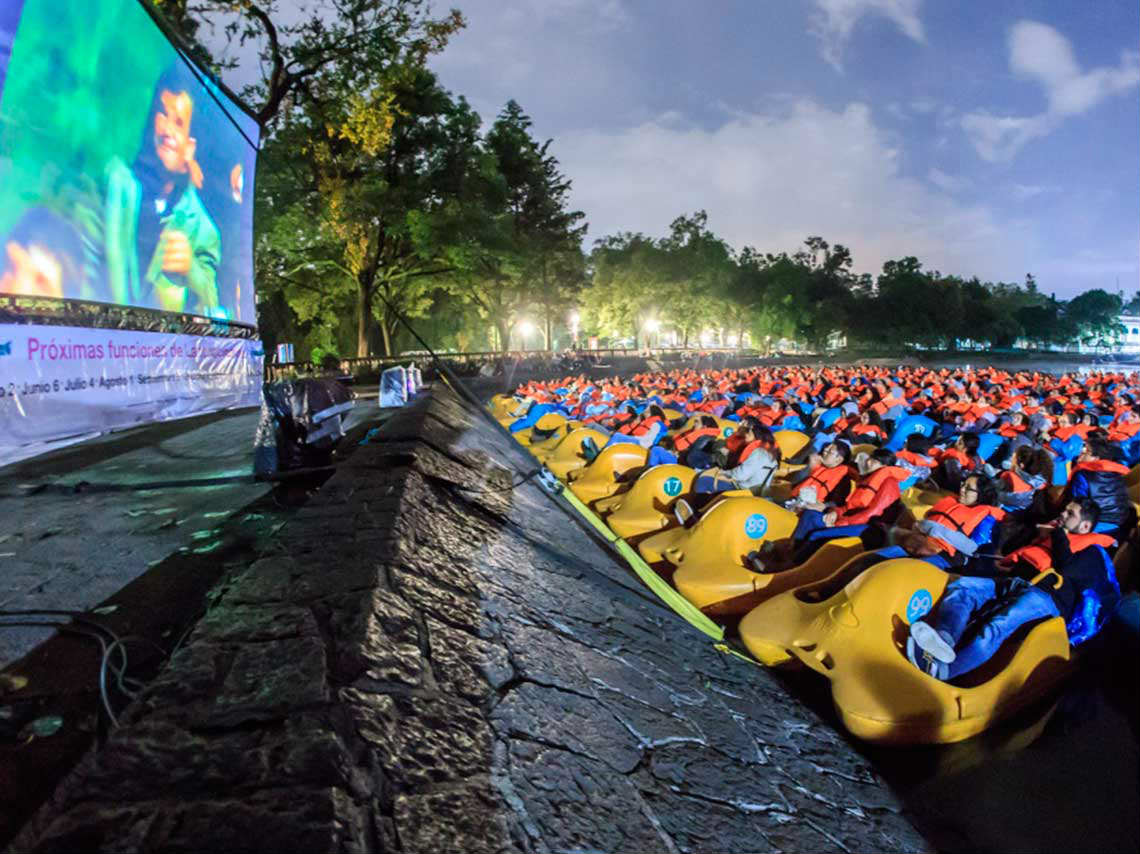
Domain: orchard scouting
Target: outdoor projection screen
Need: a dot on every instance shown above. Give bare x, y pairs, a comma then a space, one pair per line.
125, 174
126, 178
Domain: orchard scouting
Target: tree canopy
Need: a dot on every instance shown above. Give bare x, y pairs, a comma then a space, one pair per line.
382, 195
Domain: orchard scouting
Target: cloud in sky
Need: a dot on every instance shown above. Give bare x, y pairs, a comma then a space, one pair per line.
834, 21
770, 179
949, 183
1039, 53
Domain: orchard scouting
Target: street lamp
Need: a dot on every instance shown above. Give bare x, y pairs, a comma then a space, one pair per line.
574, 320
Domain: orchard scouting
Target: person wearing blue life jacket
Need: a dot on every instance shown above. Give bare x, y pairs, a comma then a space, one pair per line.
977, 615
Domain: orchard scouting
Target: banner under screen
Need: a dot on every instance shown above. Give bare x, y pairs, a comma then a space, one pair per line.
126, 176
59, 384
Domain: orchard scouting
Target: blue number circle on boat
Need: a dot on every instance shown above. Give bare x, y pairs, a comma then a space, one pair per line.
919, 605
756, 526
728, 431
672, 486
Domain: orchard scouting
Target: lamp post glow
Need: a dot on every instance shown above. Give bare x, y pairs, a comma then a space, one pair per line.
574, 320
526, 329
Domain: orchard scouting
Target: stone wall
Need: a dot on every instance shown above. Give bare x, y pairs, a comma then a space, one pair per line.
435, 659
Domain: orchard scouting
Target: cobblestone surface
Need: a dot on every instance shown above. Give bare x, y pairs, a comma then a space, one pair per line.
432, 661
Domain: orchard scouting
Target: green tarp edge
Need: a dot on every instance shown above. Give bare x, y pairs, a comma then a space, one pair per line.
682, 606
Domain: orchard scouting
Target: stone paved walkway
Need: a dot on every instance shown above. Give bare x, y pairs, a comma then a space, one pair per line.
436, 661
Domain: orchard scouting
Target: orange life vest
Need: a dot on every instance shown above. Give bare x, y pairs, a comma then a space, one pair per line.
686, 439
825, 480
1015, 482
915, 459
746, 452
954, 454
863, 495
1039, 553
1101, 465
642, 428
955, 515
1066, 433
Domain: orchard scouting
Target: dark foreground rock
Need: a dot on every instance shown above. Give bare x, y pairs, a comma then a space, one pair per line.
435, 660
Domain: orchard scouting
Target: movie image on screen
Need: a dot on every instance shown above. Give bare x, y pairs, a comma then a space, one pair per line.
126, 175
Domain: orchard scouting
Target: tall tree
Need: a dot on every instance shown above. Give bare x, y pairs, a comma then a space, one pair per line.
526, 254
297, 46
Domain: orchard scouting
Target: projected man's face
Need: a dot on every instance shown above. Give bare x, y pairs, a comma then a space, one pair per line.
172, 141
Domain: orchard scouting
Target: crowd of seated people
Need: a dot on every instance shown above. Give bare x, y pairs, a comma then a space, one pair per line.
1027, 471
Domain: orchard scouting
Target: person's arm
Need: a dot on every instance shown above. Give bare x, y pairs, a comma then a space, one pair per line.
887, 495
1062, 552
839, 495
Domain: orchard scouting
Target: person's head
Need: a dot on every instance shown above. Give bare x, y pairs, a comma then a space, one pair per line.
1096, 447
1065, 419
977, 489
1080, 516
750, 426
761, 432
865, 416
169, 149
1017, 418
1035, 461
916, 443
709, 421
875, 460
968, 444
835, 454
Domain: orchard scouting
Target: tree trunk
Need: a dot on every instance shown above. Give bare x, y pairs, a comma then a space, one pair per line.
549, 326
363, 315
386, 333
504, 335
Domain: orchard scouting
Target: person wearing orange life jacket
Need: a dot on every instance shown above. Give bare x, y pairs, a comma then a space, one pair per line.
914, 457
1125, 425
752, 467
955, 528
826, 479
868, 428
955, 462
1085, 597
1030, 470
874, 497
690, 447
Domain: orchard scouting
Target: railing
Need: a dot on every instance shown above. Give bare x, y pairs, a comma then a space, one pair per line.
375, 364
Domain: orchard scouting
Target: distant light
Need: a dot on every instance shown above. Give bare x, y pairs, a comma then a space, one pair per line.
574, 318
526, 329
652, 325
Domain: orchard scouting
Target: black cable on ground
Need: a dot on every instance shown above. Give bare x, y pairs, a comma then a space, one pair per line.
80, 623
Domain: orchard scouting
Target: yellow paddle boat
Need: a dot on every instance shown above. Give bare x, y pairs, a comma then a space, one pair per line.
855, 636
730, 528
648, 505
602, 477
567, 456
732, 589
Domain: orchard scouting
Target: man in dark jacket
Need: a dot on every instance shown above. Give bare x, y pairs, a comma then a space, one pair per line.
989, 610
1097, 475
